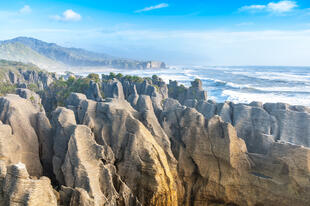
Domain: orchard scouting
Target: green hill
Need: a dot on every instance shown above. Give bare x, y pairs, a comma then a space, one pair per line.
22, 53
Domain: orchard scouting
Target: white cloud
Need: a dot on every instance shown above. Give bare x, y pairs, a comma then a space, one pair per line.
25, 10
158, 6
273, 7
282, 6
68, 15
253, 8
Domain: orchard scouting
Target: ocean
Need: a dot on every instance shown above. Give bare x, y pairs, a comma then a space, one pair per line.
239, 84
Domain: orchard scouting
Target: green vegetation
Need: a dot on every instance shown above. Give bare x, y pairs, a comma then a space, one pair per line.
134, 79
33, 87
120, 76
32, 99
173, 91
196, 82
155, 77
61, 89
15, 67
7, 88
94, 77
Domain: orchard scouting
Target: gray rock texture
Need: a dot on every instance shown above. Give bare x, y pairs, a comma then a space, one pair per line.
262, 124
21, 117
63, 122
18, 188
148, 143
33, 97
93, 91
113, 89
89, 166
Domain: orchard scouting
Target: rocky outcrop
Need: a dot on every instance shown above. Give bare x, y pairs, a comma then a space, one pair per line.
31, 96
18, 188
113, 89
216, 168
93, 91
131, 89
213, 165
27, 77
89, 166
140, 160
148, 118
141, 147
187, 96
63, 121
262, 124
23, 130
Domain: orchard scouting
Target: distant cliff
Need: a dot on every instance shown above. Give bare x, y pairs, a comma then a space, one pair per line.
52, 56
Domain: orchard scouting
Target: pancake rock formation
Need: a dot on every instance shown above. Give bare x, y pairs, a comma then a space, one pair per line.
153, 144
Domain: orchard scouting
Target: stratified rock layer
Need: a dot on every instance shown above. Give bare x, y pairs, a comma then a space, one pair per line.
141, 162
152, 144
89, 166
21, 133
17, 188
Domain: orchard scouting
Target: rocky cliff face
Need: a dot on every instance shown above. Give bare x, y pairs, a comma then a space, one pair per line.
148, 143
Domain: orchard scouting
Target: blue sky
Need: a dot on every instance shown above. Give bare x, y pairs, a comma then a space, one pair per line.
196, 32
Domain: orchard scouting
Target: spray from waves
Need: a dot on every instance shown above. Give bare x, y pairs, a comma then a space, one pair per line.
230, 85
274, 76
241, 97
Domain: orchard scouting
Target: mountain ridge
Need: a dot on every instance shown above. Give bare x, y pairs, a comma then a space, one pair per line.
22, 53
68, 57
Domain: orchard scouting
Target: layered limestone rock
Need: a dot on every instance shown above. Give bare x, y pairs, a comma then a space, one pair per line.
258, 124
216, 168
93, 91
142, 148
10, 151
63, 121
262, 124
213, 164
148, 118
113, 89
140, 161
41, 79
31, 96
89, 166
24, 133
17, 188
187, 96
156, 90
128, 89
